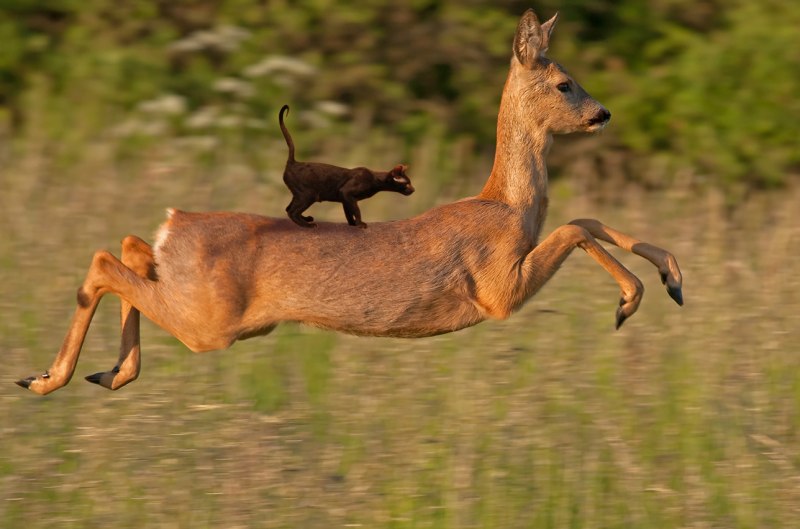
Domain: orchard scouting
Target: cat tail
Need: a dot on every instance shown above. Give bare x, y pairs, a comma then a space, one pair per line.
286, 135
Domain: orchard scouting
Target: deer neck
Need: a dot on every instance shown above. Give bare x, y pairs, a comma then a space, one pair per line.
519, 173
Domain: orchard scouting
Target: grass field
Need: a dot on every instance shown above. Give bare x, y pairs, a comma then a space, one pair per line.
686, 417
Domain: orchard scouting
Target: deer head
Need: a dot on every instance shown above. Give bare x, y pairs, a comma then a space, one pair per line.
542, 90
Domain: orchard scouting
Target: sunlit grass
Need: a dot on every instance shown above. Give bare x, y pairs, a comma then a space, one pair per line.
687, 417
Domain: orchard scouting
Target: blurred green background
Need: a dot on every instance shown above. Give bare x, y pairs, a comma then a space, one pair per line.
111, 112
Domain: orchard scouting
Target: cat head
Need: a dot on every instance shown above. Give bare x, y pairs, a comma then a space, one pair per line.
398, 180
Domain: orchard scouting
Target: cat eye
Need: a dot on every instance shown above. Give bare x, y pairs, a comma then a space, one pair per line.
563, 87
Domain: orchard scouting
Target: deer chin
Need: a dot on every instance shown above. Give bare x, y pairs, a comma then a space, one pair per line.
595, 127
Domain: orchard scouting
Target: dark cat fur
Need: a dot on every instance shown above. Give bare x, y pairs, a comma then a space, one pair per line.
312, 182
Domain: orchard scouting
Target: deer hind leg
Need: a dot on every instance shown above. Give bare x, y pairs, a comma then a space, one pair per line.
662, 259
543, 261
63, 366
106, 274
138, 256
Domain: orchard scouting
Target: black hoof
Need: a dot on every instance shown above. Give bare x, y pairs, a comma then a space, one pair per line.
25, 382
621, 317
676, 294
94, 379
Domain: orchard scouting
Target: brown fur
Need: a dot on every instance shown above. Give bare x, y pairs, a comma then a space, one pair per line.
223, 277
312, 182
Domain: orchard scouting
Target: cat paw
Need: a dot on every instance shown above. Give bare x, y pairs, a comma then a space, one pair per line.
300, 221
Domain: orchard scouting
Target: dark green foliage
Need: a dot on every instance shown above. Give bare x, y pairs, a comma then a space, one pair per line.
701, 88
722, 102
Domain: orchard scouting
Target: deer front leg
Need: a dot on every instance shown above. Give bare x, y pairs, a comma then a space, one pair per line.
544, 260
662, 259
138, 256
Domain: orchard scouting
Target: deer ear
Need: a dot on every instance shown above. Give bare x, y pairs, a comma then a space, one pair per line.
547, 30
532, 38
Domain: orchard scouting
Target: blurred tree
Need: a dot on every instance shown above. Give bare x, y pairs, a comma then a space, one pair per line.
30, 33
722, 102
705, 85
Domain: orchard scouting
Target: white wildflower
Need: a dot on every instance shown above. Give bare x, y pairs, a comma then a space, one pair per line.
133, 127
196, 143
229, 122
333, 108
203, 118
224, 38
166, 105
233, 86
280, 64
254, 123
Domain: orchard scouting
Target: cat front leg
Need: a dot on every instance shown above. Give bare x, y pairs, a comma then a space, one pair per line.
348, 214
352, 212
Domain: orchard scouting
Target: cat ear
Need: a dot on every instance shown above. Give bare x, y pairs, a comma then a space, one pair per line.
398, 175
400, 169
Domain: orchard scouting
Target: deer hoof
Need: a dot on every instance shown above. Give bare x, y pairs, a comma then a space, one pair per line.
107, 379
94, 379
621, 317
39, 385
676, 294
25, 382
627, 307
673, 290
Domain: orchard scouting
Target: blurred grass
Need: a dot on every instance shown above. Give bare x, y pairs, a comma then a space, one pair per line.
687, 417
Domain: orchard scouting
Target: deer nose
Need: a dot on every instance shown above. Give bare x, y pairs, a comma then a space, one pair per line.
602, 116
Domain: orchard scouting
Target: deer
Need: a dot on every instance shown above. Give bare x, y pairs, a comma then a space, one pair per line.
213, 278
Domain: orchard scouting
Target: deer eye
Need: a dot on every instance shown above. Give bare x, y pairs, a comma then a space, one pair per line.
563, 87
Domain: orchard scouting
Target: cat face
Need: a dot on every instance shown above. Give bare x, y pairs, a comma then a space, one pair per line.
399, 181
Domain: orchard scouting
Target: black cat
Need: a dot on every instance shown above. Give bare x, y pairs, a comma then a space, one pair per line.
312, 182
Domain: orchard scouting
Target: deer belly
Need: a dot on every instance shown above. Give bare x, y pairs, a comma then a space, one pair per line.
400, 318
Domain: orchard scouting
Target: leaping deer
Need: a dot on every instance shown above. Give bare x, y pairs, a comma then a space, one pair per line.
211, 279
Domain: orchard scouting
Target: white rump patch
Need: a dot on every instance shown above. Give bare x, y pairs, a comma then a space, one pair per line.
162, 235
